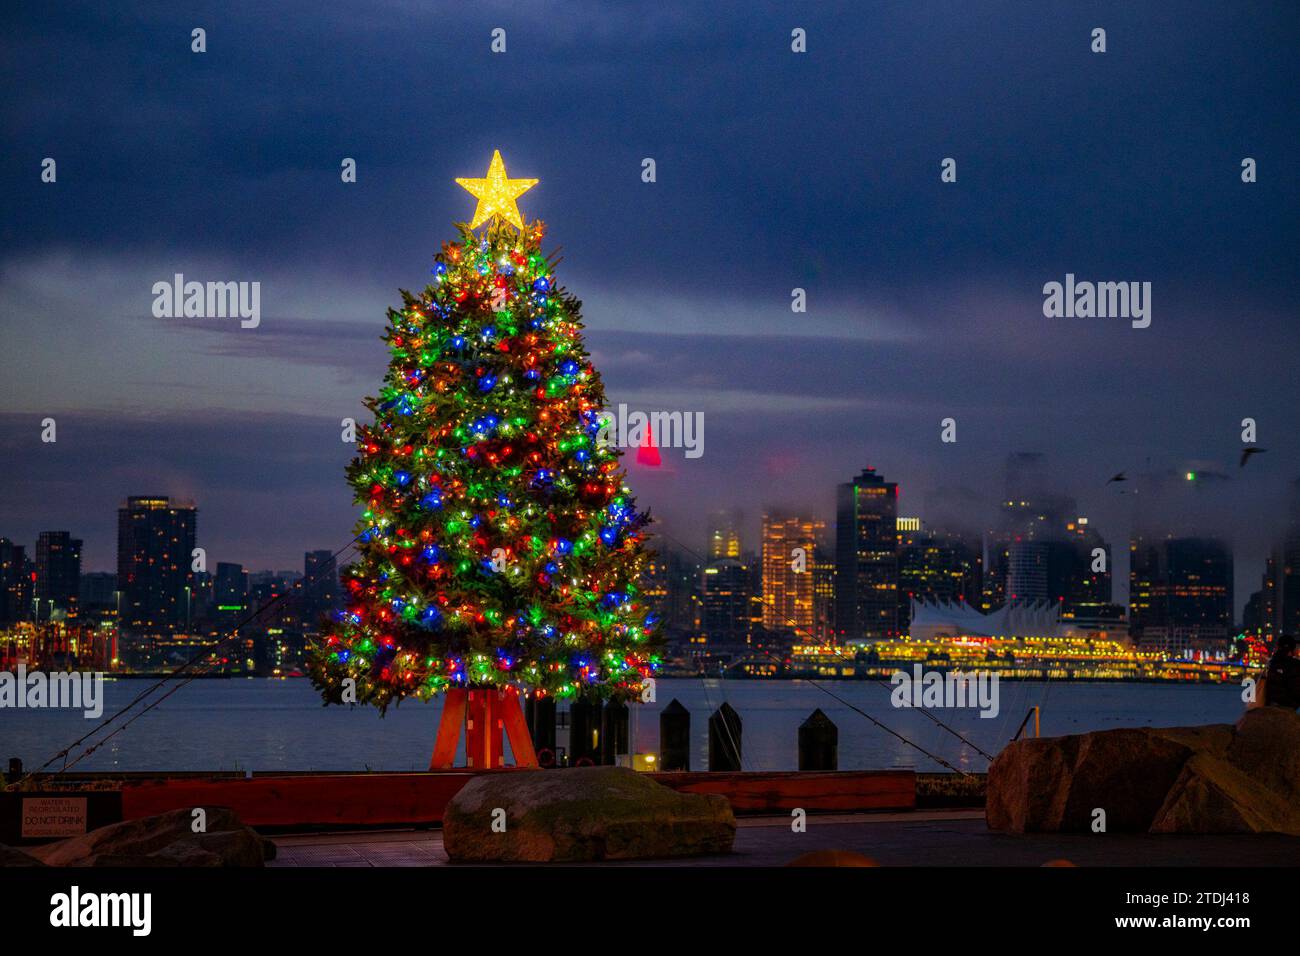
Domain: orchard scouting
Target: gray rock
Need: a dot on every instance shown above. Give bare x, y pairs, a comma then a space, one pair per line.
584, 813
163, 840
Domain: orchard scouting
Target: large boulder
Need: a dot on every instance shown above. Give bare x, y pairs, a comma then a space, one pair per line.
10, 856
1051, 784
167, 839
1266, 745
1213, 779
582, 813
1212, 796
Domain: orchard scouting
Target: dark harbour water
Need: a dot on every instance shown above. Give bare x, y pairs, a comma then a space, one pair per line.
266, 725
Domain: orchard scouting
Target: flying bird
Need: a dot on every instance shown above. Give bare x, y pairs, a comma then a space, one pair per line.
1120, 477
1247, 452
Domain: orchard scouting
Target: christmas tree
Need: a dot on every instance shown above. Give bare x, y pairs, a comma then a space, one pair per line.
499, 545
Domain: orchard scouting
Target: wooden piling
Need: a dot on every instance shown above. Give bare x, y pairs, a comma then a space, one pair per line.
674, 737
724, 739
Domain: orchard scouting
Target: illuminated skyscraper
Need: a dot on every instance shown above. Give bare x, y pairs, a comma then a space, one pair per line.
155, 542
1026, 571
724, 535
788, 561
670, 585
230, 595
1181, 584
866, 559
936, 567
15, 583
727, 594
58, 574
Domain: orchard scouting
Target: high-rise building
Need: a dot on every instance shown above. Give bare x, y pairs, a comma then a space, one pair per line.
936, 567
15, 583
1079, 579
1032, 554
58, 574
1183, 584
788, 559
320, 587
1256, 616
229, 595
273, 597
727, 615
866, 559
671, 584
98, 591
1199, 589
1279, 610
1026, 571
155, 541
724, 535
824, 592
1029, 510
997, 560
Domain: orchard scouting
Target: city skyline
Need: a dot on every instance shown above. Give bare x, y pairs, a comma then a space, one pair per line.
725, 536
924, 298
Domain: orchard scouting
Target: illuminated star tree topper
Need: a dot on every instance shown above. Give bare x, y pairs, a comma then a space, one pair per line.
496, 194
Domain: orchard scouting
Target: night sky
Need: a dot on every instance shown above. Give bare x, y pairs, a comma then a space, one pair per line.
775, 170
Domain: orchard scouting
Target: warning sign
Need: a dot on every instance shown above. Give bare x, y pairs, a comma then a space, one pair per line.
53, 816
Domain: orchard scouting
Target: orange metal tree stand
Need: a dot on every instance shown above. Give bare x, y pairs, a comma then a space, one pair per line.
484, 713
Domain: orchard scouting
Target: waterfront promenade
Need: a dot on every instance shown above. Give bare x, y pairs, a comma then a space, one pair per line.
920, 838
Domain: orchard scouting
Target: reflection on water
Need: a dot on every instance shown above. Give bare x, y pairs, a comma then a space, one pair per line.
281, 725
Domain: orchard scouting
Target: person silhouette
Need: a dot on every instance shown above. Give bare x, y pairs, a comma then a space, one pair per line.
1282, 679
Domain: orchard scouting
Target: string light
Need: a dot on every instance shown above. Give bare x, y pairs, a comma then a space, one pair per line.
498, 542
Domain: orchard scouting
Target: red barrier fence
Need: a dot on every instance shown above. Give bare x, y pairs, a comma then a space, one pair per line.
404, 799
